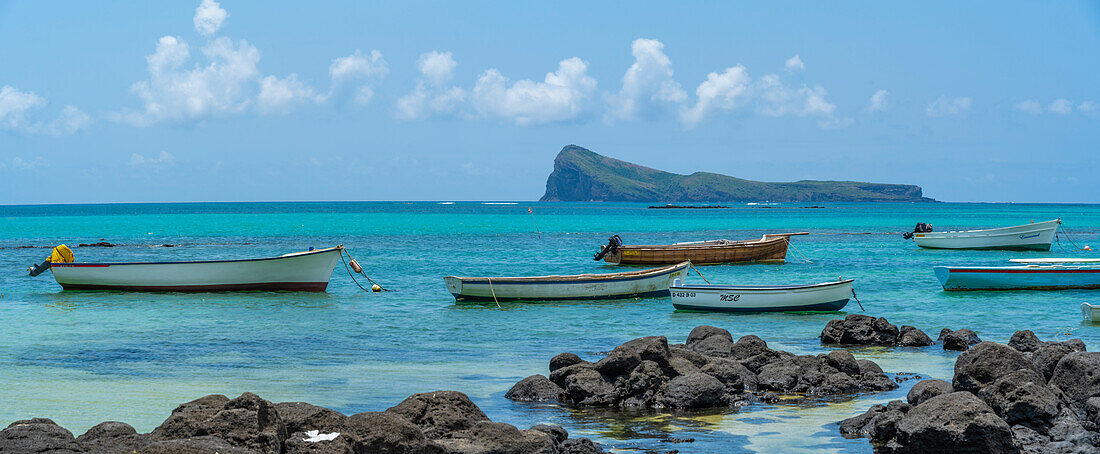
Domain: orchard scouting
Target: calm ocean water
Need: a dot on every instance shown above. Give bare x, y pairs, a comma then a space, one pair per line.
86, 357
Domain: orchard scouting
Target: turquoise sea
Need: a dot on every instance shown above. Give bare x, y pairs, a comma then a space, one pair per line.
85, 357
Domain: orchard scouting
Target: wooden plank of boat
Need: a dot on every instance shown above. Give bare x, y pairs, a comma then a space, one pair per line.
1090, 312
769, 248
826, 296
1028, 277
1034, 236
644, 283
298, 271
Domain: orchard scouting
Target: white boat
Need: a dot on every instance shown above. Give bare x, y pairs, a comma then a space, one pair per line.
826, 296
645, 283
1034, 236
299, 271
1090, 313
1033, 274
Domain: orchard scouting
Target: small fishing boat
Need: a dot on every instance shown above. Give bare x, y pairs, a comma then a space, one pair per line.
1035, 236
299, 271
644, 283
1032, 274
1090, 312
826, 296
769, 248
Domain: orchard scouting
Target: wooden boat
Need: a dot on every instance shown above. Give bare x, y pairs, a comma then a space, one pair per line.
644, 283
1034, 274
1090, 313
1035, 236
299, 271
826, 296
769, 248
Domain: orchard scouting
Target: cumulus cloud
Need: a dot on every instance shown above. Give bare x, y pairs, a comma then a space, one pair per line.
725, 91
354, 76
1029, 106
1061, 107
648, 86
209, 17
943, 107
878, 102
1087, 106
561, 96
174, 92
15, 114
795, 64
775, 99
433, 95
279, 96
18, 163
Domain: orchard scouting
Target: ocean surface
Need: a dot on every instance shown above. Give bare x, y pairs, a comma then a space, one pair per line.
85, 357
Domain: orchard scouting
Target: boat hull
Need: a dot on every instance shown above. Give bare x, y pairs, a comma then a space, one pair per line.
647, 283
305, 271
1090, 313
830, 296
1035, 237
1017, 278
702, 253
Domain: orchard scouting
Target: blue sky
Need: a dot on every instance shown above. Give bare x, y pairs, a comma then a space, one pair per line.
190, 101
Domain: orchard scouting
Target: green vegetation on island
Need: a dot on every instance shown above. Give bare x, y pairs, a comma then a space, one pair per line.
582, 175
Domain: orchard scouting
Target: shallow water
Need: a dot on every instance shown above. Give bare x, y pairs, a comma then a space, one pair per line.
85, 357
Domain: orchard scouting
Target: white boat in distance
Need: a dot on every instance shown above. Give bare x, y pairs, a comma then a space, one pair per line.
645, 283
1034, 274
1035, 236
826, 296
299, 271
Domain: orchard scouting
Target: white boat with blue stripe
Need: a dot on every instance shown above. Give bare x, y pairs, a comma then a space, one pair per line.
634, 284
1036, 236
1032, 274
826, 296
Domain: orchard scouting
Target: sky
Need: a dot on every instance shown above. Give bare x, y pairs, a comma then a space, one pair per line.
130, 101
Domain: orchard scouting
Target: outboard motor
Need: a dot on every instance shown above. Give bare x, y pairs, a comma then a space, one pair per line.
612, 245
919, 228
60, 254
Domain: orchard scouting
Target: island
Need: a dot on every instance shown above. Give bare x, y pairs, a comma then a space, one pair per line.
581, 175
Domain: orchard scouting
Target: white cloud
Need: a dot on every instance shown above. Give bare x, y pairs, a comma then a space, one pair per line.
433, 95
648, 86
279, 96
164, 158
354, 76
795, 64
1061, 107
725, 91
1087, 106
878, 102
943, 107
774, 99
15, 105
1029, 106
209, 17
561, 96
18, 163
175, 93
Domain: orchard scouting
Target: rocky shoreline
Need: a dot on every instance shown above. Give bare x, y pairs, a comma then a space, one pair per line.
1027, 396
440, 422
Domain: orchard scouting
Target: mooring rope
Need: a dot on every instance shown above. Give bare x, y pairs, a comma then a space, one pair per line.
699, 273
796, 251
352, 275
857, 300
1074, 243
494, 292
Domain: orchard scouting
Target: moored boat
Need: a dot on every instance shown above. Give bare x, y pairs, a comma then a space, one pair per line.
1035, 236
826, 296
1091, 313
1032, 274
644, 283
769, 248
298, 271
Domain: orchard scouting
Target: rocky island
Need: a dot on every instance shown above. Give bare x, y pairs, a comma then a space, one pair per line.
581, 175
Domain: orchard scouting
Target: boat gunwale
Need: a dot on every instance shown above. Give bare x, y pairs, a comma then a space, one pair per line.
703, 245
187, 262
718, 287
574, 278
